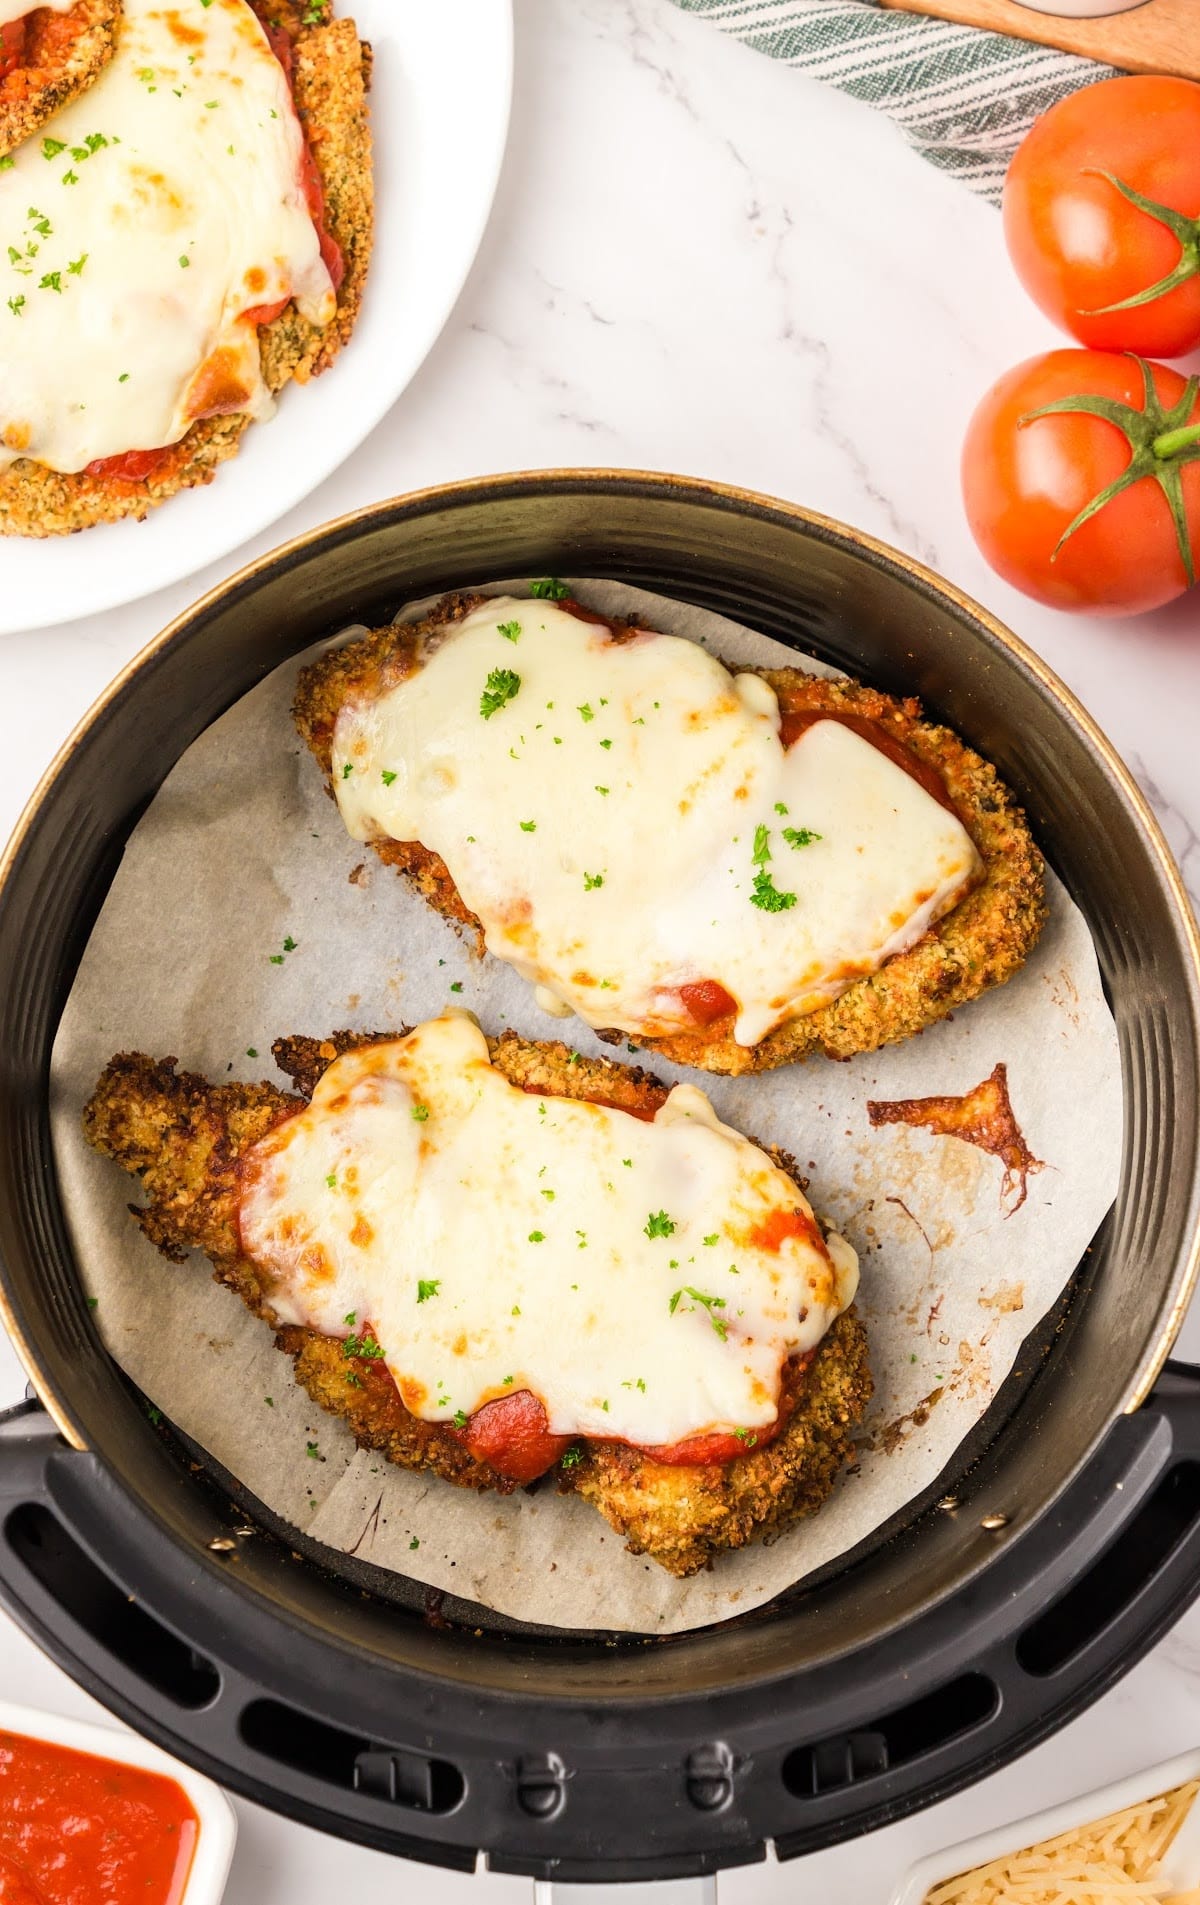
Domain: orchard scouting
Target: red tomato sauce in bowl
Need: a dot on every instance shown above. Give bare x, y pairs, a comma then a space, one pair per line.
76, 1829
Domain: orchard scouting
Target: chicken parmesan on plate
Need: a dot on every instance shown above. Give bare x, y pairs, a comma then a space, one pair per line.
735, 869
497, 1261
180, 241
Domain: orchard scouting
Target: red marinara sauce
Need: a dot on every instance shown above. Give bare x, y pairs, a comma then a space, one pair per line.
79, 1830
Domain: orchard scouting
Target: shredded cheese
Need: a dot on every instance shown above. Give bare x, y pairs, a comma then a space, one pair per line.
1110, 1862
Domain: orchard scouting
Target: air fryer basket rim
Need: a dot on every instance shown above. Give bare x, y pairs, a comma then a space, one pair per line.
646, 489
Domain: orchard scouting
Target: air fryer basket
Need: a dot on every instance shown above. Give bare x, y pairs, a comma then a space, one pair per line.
431, 1729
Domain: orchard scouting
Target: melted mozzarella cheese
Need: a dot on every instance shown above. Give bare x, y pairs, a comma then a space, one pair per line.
138, 227
496, 1241
11, 10
624, 820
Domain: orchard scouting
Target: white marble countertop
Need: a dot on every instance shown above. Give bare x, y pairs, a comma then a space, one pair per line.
702, 263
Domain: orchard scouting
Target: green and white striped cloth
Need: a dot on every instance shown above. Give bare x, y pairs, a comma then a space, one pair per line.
962, 97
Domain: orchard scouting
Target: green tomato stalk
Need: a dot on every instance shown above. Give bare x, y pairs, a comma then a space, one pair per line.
1161, 441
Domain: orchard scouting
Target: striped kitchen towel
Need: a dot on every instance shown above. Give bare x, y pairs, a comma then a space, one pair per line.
962, 97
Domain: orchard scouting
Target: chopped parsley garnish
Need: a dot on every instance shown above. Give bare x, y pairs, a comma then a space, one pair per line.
93, 1302
766, 894
571, 1458
461, 1418
508, 1381
51, 282
289, 944
76, 265
427, 1288
270, 1401
606, 743
511, 631
528, 826
153, 1416
16, 304
744, 1435
586, 711
591, 881
414, 1543
312, 1451
185, 263
502, 685
800, 836
549, 589
52, 147
331, 1180
780, 808
601, 790
549, 1196
715, 1238
658, 1224
387, 776
124, 377
516, 1309
456, 986
709, 1303
347, 769
7, 162
251, 1051
535, 1237
420, 1113
628, 1163
350, 1318
70, 178
364, 1346
767, 897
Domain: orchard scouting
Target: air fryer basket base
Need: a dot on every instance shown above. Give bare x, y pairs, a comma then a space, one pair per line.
706, 1782
906, 1674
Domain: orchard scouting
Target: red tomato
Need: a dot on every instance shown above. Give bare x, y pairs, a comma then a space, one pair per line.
1080, 245
1026, 480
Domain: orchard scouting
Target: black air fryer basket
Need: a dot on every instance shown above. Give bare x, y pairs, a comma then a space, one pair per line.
1065, 1540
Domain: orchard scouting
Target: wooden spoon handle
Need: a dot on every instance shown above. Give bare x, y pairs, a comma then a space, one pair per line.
1161, 36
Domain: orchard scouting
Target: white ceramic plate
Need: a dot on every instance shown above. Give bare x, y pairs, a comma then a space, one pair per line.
1181, 1867
218, 1822
438, 69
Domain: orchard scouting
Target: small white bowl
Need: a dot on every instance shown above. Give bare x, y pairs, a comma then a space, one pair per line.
1181, 1865
1081, 9
218, 1822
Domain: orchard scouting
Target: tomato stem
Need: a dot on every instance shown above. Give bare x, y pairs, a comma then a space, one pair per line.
1160, 442
1172, 441
1186, 230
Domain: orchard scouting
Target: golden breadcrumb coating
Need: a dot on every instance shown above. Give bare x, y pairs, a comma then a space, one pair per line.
331, 75
184, 1137
980, 943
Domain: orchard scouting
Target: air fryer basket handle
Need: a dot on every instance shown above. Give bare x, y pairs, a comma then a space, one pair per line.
572, 1793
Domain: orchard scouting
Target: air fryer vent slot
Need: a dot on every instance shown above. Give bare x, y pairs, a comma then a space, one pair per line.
1116, 1578
907, 1734
104, 1611
337, 1758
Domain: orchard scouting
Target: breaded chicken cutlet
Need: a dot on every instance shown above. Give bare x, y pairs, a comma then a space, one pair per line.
980, 942
329, 70
47, 59
190, 1143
